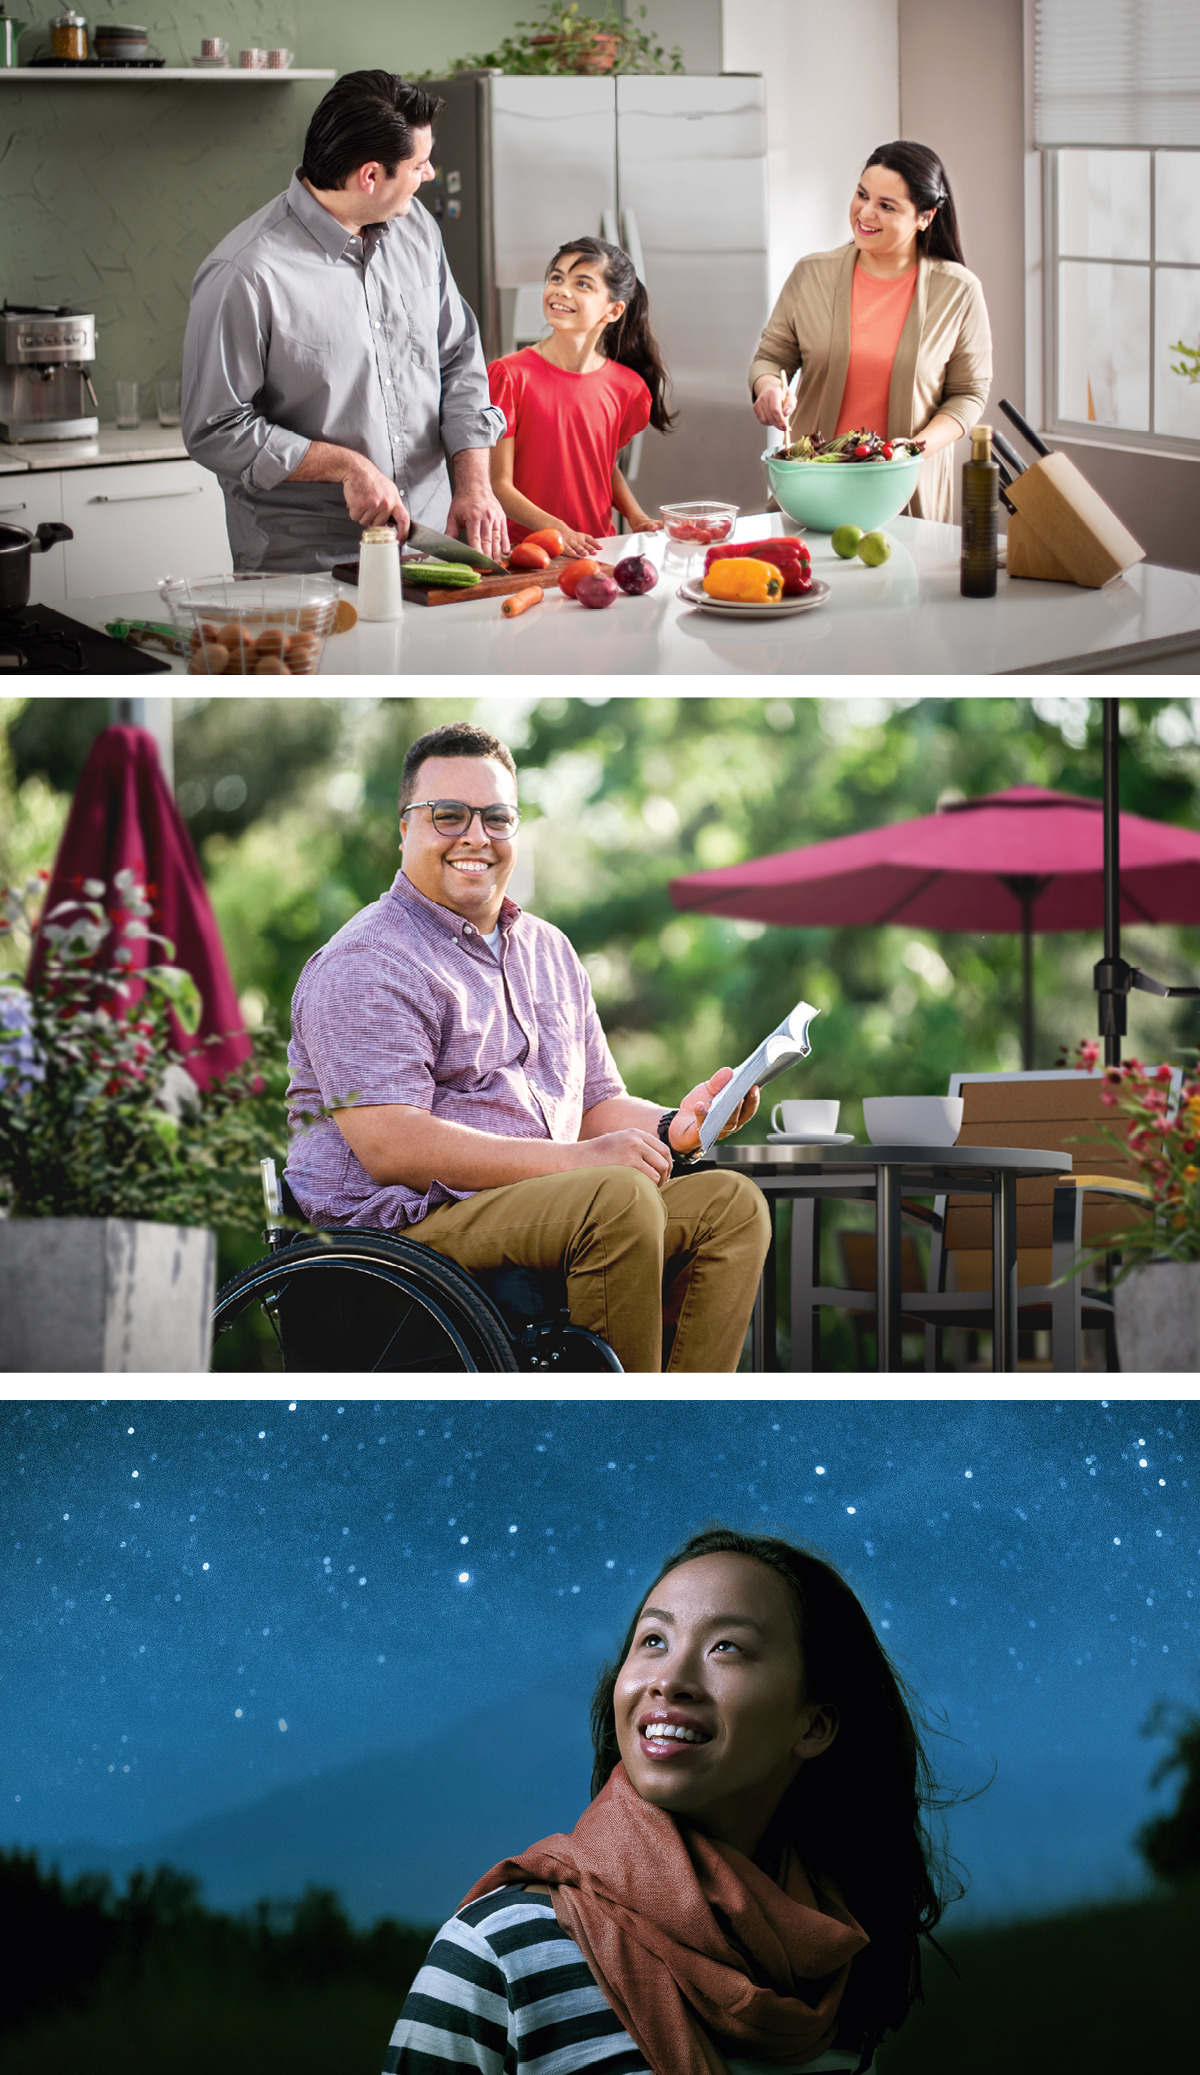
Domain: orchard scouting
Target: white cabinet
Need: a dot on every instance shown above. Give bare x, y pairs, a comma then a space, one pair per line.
30, 501
136, 523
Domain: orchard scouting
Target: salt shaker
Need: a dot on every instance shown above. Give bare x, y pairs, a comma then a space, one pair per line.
379, 593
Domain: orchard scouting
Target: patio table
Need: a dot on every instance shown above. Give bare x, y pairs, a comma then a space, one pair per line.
882, 1174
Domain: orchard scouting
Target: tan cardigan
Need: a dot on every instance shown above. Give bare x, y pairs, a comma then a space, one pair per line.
943, 361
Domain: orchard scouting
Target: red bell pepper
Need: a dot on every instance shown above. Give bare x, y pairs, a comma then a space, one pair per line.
789, 555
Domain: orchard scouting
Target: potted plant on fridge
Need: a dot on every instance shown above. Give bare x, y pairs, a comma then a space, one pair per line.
567, 40
114, 1165
1157, 1285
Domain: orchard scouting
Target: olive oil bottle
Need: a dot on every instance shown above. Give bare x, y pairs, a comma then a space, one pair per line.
980, 512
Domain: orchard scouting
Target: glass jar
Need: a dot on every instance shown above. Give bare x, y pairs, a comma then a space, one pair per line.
68, 36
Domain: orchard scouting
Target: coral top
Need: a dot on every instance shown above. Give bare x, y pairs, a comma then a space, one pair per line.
568, 431
878, 310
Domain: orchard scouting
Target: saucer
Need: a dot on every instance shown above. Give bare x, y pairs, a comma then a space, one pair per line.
810, 1138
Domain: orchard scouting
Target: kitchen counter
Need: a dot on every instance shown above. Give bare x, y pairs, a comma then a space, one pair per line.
148, 442
907, 618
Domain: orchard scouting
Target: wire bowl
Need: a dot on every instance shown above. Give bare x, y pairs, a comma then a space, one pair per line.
252, 626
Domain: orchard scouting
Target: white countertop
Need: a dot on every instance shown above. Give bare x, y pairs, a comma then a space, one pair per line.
907, 618
150, 442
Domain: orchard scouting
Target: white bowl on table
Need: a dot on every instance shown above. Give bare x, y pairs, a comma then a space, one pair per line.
912, 1120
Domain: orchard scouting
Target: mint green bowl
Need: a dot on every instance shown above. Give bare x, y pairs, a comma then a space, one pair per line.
825, 494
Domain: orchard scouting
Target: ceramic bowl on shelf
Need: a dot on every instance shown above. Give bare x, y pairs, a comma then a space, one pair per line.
120, 43
913, 1120
828, 494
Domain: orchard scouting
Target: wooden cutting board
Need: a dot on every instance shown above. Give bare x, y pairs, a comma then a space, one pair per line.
487, 587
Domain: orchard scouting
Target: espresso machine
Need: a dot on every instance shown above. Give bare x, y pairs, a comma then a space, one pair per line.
46, 391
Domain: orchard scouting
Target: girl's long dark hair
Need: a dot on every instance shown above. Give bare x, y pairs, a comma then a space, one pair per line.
858, 1814
630, 340
925, 177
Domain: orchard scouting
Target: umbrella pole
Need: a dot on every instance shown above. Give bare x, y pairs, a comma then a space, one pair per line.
1027, 985
1108, 976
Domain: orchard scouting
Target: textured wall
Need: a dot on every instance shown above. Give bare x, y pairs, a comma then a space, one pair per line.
114, 192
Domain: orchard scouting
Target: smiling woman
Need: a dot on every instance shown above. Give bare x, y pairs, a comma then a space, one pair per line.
720, 1905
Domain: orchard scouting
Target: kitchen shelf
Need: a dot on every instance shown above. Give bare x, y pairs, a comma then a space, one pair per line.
141, 75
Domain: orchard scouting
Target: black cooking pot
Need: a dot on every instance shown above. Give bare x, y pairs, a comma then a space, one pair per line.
16, 546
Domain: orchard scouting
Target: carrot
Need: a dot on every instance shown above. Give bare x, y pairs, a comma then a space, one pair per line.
520, 601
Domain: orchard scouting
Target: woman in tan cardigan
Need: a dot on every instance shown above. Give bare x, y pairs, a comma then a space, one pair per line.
889, 328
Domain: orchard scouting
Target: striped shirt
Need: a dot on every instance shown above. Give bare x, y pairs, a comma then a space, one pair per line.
505, 1991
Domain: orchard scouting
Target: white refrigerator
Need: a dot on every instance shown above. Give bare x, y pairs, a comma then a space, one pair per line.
671, 168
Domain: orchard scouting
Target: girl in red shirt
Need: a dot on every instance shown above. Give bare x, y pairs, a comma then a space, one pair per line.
575, 399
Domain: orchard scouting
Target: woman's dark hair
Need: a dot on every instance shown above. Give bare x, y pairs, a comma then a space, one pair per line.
925, 177
459, 739
365, 116
857, 1814
630, 339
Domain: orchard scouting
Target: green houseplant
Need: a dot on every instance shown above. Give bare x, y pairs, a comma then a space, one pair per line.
113, 1163
567, 40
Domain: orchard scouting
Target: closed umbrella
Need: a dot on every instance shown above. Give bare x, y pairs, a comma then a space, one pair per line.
1010, 862
124, 817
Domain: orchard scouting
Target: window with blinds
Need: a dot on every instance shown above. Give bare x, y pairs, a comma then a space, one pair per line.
1117, 118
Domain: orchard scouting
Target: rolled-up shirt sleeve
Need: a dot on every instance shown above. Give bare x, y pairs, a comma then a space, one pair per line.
468, 418
225, 352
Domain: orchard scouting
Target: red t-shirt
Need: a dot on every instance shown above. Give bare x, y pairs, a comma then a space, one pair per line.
568, 431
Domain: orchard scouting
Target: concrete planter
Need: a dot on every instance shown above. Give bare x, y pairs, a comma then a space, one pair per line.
105, 1295
1158, 1318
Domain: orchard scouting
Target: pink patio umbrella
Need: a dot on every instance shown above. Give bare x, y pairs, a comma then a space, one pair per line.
1015, 861
123, 816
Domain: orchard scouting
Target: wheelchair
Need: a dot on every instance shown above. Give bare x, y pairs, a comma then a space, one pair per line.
375, 1303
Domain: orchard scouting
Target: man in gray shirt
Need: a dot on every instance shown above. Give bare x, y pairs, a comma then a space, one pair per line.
330, 363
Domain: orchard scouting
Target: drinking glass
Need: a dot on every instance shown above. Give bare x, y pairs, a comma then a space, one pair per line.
129, 415
166, 395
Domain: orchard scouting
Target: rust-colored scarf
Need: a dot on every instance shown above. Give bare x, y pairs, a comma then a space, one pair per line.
689, 1938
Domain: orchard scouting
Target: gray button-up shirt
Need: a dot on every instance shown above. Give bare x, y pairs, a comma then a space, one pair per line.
300, 330
406, 1004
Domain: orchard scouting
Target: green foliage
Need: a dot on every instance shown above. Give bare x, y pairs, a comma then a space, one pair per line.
128, 1984
563, 41
1170, 1843
1189, 366
98, 1116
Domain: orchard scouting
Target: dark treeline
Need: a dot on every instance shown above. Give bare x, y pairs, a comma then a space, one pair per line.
67, 1943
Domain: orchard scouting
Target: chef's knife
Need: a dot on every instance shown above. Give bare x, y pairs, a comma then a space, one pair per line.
1024, 427
429, 542
1005, 482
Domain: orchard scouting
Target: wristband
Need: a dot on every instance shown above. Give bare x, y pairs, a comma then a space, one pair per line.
680, 1162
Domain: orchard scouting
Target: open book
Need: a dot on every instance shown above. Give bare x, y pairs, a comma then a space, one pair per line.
776, 1053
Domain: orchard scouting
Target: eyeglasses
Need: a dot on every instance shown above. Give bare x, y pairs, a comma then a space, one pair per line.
454, 817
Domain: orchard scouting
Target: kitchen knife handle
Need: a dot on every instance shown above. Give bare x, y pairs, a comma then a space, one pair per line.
1008, 453
1024, 427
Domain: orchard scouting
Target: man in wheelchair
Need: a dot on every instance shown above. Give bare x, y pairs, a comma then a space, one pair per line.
477, 1107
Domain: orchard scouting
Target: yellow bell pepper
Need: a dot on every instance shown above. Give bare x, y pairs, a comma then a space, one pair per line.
742, 579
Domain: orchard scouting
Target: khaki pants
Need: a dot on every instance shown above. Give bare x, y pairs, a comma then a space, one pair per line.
651, 1270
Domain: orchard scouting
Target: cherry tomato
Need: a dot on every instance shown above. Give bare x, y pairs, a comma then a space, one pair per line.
887, 450
861, 452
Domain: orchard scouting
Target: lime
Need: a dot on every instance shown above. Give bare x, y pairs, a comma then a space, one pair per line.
844, 541
874, 548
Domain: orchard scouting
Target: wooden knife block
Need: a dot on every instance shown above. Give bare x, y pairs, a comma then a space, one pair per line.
1062, 530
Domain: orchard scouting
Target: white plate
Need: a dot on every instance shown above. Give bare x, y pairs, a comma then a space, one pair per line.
810, 1138
693, 593
211, 64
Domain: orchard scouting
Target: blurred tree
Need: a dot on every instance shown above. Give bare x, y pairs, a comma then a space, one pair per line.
1170, 1844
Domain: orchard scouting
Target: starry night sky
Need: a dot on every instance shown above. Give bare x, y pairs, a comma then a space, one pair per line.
202, 1602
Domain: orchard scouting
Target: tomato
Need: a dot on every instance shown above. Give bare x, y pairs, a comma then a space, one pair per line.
586, 565
720, 529
887, 450
547, 537
861, 452
528, 555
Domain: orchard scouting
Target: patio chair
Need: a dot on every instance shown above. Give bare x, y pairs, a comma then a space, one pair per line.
1057, 1111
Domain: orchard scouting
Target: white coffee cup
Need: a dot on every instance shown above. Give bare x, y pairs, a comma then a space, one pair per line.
252, 60
806, 1119
279, 60
214, 47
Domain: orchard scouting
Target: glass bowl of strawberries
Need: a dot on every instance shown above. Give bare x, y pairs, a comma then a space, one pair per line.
698, 524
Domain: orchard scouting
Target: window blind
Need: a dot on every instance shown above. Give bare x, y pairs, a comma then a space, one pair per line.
1111, 72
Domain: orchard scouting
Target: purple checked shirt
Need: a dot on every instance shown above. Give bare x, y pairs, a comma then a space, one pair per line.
407, 1004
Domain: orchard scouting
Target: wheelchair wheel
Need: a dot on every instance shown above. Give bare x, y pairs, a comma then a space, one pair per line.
368, 1303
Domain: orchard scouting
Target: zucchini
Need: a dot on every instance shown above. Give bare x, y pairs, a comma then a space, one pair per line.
441, 576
